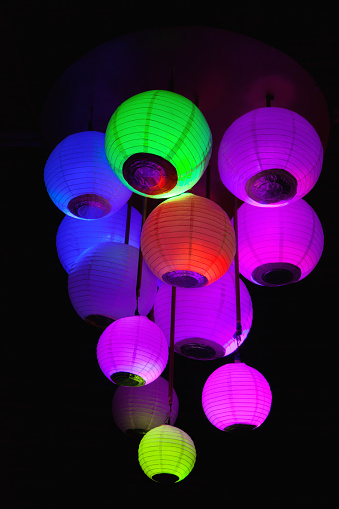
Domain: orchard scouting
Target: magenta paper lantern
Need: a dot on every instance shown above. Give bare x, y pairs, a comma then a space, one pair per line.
270, 157
132, 351
205, 318
79, 179
188, 241
236, 397
136, 411
74, 236
102, 284
280, 245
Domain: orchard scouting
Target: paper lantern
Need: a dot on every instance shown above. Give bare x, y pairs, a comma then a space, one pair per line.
132, 351
102, 284
236, 397
136, 411
205, 318
167, 454
278, 246
188, 241
74, 236
79, 179
270, 157
158, 143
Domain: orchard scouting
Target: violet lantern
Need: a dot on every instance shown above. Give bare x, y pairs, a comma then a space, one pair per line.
278, 246
132, 351
270, 156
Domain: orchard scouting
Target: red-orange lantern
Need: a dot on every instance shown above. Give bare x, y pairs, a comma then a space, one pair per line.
188, 241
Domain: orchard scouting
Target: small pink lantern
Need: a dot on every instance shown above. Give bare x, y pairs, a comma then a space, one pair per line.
205, 318
236, 397
270, 157
136, 411
132, 351
280, 245
188, 241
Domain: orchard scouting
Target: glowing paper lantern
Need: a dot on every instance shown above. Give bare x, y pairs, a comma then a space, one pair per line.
167, 454
188, 241
132, 351
102, 284
280, 245
270, 157
136, 411
236, 397
158, 143
74, 236
79, 179
205, 318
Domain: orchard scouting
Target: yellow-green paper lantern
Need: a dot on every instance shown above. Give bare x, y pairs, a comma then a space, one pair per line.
158, 143
167, 454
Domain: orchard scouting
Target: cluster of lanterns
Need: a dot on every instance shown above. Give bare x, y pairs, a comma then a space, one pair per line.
179, 261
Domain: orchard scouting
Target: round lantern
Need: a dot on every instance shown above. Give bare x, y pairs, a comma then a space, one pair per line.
132, 351
236, 397
188, 241
166, 454
79, 179
205, 318
136, 411
278, 246
102, 284
158, 143
270, 157
74, 236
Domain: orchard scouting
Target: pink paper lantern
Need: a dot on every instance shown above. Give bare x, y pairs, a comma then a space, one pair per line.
136, 411
132, 351
205, 318
102, 284
280, 245
188, 241
270, 157
236, 397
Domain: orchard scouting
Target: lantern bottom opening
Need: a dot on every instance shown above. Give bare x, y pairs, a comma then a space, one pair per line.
150, 174
239, 427
127, 379
89, 206
185, 279
199, 348
276, 274
99, 321
136, 432
271, 186
165, 478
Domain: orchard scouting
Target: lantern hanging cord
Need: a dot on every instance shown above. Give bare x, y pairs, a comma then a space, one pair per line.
171, 353
144, 212
128, 221
238, 332
269, 98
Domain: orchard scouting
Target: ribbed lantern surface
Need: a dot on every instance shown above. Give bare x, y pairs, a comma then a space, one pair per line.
102, 284
205, 318
158, 143
136, 411
74, 236
270, 157
188, 241
236, 397
278, 246
132, 351
167, 454
79, 179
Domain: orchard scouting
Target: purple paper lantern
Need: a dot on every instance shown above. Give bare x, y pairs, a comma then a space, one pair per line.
132, 351
236, 397
102, 284
280, 245
205, 318
270, 157
136, 411
79, 179
74, 236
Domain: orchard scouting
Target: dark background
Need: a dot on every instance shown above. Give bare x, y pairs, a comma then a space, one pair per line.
60, 445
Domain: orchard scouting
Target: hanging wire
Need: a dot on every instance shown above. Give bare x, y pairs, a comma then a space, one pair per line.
238, 331
144, 213
171, 353
128, 221
269, 98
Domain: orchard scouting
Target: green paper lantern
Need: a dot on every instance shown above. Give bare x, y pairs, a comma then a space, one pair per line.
158, 143
166, 454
